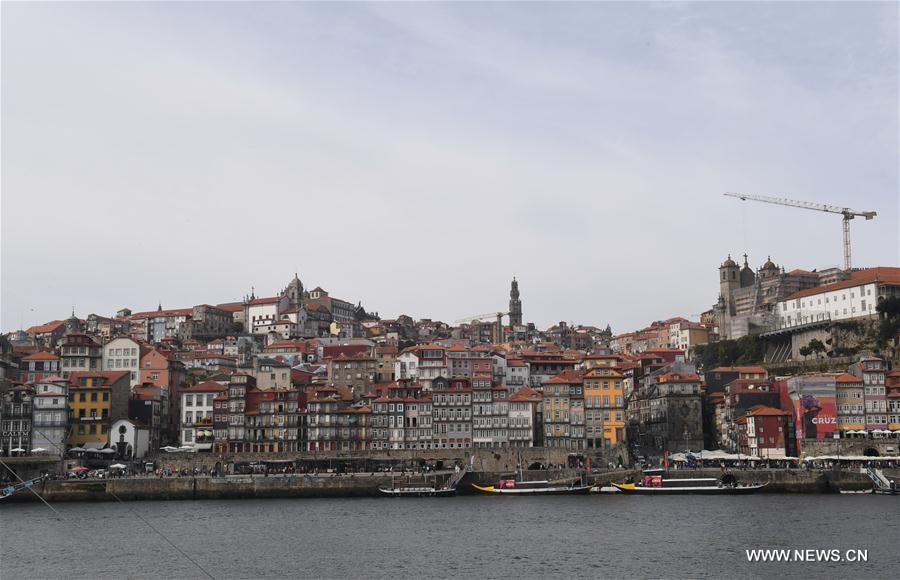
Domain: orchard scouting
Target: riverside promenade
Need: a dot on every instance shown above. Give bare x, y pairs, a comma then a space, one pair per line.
146, 488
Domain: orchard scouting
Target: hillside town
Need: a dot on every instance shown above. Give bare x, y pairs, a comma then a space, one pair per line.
301, 371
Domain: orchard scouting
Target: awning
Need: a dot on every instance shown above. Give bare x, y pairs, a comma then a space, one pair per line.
94, 445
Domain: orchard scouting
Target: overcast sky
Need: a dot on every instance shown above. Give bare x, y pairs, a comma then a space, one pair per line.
416, 157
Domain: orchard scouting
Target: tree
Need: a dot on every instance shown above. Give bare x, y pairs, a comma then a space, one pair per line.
816, 346
743, 351
805, 351
889, 327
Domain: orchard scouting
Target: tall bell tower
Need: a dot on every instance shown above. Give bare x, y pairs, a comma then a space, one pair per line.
515, 305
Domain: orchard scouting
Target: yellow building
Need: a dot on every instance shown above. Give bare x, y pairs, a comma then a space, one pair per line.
96, 399
604, 399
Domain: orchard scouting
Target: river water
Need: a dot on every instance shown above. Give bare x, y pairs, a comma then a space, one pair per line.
463, 537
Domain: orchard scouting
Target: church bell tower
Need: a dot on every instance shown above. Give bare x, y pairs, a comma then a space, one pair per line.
515, 305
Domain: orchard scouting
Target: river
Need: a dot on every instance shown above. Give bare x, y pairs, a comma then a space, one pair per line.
463, 537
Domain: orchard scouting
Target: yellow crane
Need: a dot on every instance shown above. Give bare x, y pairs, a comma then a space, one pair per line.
847, 213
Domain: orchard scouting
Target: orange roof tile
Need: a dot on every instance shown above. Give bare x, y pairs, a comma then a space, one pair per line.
883, 275
763, 410
48, 327
43, 355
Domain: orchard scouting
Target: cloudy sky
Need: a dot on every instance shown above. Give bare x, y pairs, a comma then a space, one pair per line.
416, 157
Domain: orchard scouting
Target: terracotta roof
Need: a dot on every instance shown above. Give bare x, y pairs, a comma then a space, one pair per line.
847, 378
109, 376
883, 275
205, 387
679, 378
268, 300
566, 377
162, 313
763, 410
43, 355
48, 327
233, 307
525, 394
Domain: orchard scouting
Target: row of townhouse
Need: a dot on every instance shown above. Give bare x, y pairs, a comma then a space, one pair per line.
425, 363
247, 419
83, 412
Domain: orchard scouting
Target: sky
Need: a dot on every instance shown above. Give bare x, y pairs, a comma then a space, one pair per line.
416, 157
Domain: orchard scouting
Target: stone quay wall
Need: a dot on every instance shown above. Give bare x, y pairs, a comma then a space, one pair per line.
366, 485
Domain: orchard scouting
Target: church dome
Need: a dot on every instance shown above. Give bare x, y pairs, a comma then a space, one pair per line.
728, 263
769, 265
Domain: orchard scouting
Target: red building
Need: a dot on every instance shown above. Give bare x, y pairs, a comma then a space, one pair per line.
271, 420
159, 368
38, 366
766, 432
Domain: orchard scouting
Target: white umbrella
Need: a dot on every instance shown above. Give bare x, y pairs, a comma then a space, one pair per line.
169, 449
117, 466
77, 449
107, 450
17, 450
38, 450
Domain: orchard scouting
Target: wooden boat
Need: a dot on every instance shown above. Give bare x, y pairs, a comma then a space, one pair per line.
426, 489
705, 486
20, 486
418, 491
512, 487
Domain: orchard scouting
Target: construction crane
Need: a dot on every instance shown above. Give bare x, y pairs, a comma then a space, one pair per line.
847, 213
498, 315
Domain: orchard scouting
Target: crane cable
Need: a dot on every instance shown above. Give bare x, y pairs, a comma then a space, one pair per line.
31, 488
134, 513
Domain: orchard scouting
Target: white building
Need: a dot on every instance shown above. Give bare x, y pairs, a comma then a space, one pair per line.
123, 354
522, 416
516, 373
50, 420
130, 439
261, 312
196, 421
406, 365
854, 298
